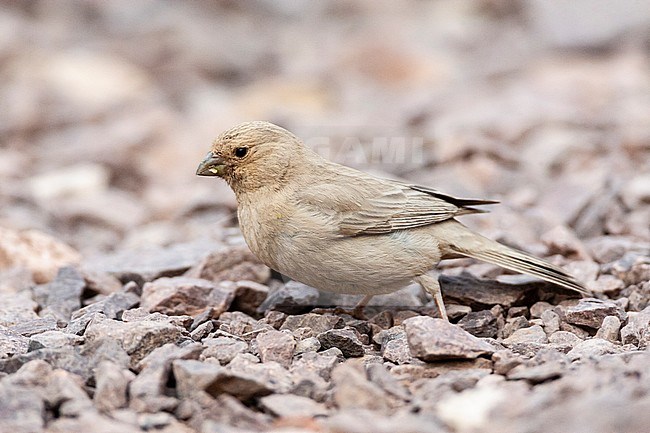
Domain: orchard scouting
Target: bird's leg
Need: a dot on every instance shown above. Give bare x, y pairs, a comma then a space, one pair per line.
357, 313
431, 285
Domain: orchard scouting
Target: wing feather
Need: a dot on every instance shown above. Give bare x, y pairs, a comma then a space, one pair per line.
362, 204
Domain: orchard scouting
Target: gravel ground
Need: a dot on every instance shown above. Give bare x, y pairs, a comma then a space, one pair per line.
128, 301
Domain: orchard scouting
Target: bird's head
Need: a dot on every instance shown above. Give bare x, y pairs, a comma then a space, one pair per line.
253, 155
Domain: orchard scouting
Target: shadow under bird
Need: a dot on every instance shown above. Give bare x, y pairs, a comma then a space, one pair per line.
342, 230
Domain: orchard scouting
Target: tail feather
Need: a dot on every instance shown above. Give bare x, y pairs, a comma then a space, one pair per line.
493, 252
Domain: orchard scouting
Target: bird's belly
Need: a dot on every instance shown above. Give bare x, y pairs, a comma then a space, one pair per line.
373, 264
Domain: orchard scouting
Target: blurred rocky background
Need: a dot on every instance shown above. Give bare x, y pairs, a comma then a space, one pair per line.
106, 108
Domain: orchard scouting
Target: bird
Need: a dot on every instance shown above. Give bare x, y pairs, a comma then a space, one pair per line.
342, 230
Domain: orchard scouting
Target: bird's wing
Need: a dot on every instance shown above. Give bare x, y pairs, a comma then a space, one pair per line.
362, 204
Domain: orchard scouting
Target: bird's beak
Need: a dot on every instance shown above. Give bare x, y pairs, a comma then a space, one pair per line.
212, 165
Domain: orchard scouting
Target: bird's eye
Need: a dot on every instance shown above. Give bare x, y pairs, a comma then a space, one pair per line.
241, 152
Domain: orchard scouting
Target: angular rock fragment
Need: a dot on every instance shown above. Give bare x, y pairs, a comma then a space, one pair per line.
112, 306
64, 294
276, 346
353, 390
249, 295
148, 390
592, 348
183, 295
34, 326
318, 323
480, 294
224, 349
152, 263
534, 334
609, 329
394, 345
317, 363
17, 309
292, 406
231, 264
479, 323
137, 338
245, 378
291, 298
637, 330
347, 340
590, 312
54, 339
436, 339
111, 386
193, 376
12, 343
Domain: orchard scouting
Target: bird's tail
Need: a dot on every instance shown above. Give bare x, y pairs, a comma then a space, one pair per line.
467, 243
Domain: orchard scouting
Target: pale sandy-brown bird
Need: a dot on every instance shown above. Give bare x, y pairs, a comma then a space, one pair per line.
342, 230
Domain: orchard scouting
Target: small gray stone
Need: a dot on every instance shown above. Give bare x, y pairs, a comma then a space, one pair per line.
534, 334
193, 376
22, 409
347, 340
113, 305
551, 321
292, 406
242, 325
64, 295
111, 386
379, 375
479, 323
202, 331
564, 338
578, 331
592, 348
152, 263
513, 325
235, 263
633, 268
538, 373
538, 308
479, 294
292, 298
319, 363
505, 360
609, 329
436, 339
394, 345
309, 344
277, 346
517, 311
353, 390
148, 390
274, 318
590, 312
637, 330
317, 322
56, 339
249, 295
239, 384
12, 343
34, 326
182, 295
226, 414
455, 311
224, 349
